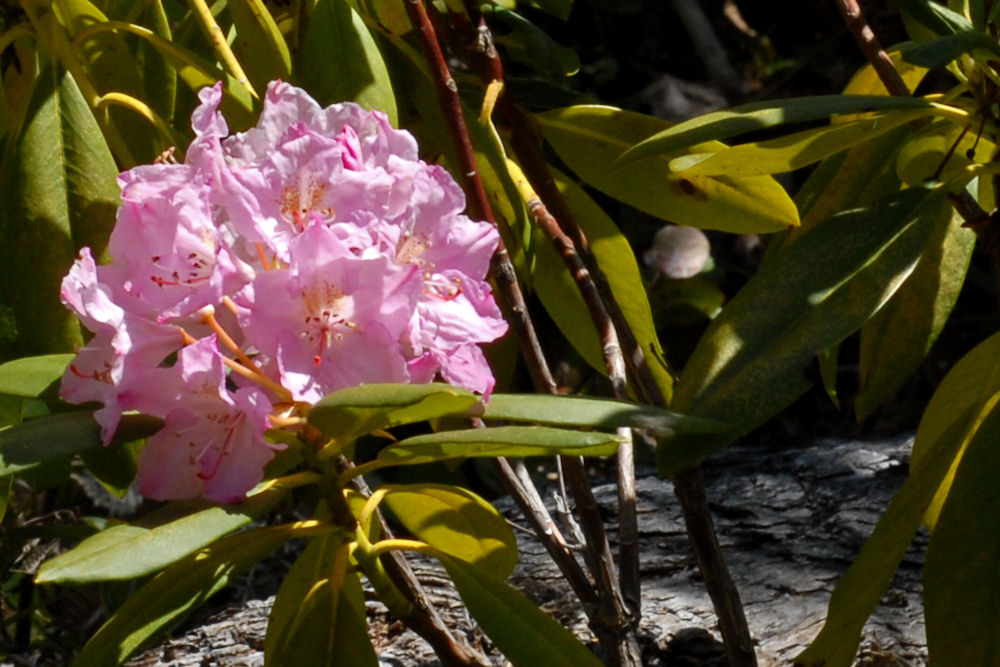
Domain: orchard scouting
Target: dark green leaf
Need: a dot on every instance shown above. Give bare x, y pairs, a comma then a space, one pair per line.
340, 61
457, 522
159, 78
523, 633
592, 412
355, 411
558, 8
721, 125
941, 51
896, 340
259, 45
962, 570
61, 195
950, 420
180, 589
750, 363
26, 445
936, 17
31, 376
500, 441
590, 138
526, 43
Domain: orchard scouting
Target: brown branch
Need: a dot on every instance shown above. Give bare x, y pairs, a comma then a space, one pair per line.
688, 484
872, 48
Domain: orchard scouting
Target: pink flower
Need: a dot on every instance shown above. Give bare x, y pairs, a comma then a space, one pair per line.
316, 251
212, 442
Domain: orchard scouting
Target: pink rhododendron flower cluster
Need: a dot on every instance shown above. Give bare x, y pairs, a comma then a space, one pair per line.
313, 252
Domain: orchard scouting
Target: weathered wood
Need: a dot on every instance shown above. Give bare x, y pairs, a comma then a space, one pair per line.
790, 522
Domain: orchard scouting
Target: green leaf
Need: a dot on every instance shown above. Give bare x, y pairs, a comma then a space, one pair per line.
340, 61
792, 151
721, 125
499, 441
457, 522
158, 76
896, 340
950, 420
941, 51
933, 15
259, 45
867, 82
61, 195
529, 45
31, 443
114, 466
355, 411
592, 412
316, 618
128, 551
808, 296
111, 66
968, 386
558, 8
962, 570
561, 297
590, 138
31, 376
523, 633
6, 484
924, 156
182, 588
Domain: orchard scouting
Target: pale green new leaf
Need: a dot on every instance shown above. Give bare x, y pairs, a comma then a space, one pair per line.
457, 522
523, 633
720, 125
750, 362
259, 45
499, 441
590, 138
897, 338
61, 195
30, 376
339, 60
129, 551
182, 588
792, 151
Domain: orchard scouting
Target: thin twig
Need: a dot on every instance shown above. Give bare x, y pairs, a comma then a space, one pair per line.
870, 46
688, 484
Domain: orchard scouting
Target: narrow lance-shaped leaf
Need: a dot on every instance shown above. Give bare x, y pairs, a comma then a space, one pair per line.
357, 410
522, 632
318, 616
182, 588
941, 51
721, 125
950, 421
499, 441
592, 412
259, 45
457, 522
750, 362
962, 570
129, 551
590, 138
61, 195
560, 294
792, 151
896, 340
30, 376
112, 67
340, 61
